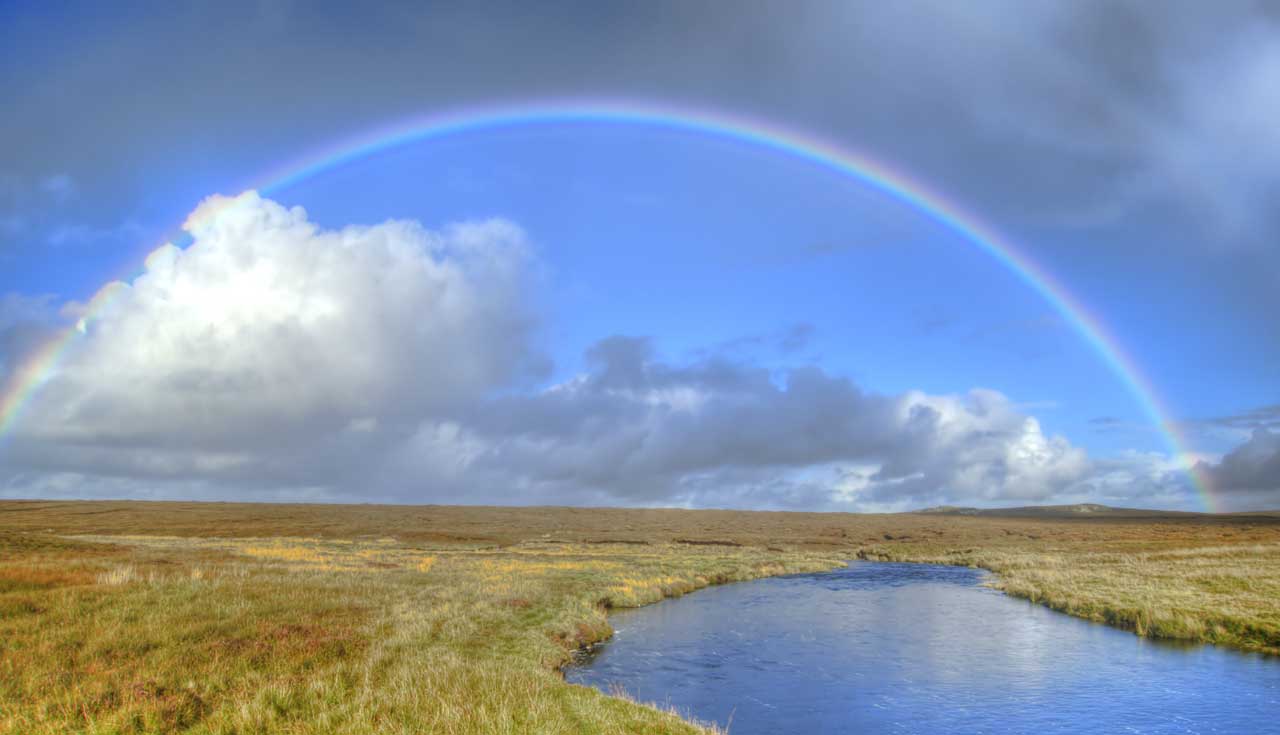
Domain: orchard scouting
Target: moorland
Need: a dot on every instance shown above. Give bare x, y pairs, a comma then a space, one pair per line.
132, 617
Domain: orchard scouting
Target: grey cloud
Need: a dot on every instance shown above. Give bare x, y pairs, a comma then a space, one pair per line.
785, 341
1133, 479
1252, 468
1079, 111
632, 417
635, 429
1265, 417
795, 338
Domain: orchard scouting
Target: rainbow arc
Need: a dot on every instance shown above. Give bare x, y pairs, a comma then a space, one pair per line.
27, 379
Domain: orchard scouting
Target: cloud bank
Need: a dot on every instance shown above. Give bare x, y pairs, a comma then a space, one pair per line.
274, 359
1250, 473
1083, 112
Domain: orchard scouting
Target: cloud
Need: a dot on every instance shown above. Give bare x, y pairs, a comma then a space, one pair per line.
1251, 469
269, 332
82, 234
1265, 417
786, 341
31, 205
1082, 112
1220, 146
633, 429
274, 359
1134, 479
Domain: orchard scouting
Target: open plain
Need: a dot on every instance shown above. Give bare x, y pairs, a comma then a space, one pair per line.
132, 617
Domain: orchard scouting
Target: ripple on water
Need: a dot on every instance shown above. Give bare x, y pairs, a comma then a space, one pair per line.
911, 648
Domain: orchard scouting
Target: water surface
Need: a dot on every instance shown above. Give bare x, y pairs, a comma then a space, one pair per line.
909, 648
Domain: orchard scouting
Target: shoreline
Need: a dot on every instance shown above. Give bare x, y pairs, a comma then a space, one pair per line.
1155, 624
586, 650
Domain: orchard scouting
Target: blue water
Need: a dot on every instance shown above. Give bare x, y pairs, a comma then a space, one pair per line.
907, 648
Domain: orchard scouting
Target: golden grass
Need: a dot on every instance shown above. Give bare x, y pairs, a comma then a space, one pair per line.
320, 619
304, 635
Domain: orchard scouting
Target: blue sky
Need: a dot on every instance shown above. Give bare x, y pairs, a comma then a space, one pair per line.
695, 266
700, 243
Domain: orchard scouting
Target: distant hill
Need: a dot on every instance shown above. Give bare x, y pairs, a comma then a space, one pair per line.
1081, 510
949, 510
1078, 510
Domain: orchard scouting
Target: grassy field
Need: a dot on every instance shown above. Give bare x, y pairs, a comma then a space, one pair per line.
223, 618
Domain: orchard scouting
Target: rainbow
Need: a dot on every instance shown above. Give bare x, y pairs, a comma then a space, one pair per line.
28, 378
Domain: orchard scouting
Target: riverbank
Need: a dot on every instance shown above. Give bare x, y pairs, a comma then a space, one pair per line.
881, 647
210, 617
1226, 595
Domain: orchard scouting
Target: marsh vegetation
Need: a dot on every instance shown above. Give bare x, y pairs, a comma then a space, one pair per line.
110, 634
222, 618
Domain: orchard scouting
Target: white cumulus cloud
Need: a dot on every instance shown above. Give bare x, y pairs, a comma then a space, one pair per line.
269, 330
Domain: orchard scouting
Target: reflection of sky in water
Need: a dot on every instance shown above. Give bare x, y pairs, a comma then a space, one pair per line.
912, 648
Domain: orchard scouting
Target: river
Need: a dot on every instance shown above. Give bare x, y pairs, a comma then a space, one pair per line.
910, 648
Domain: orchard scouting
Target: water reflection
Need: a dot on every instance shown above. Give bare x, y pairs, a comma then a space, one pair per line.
907, 648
